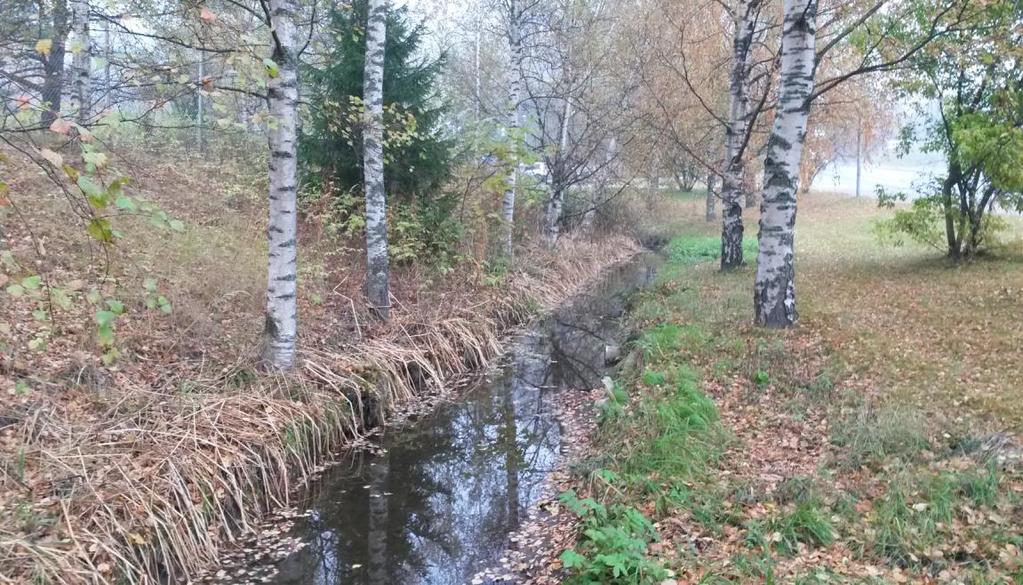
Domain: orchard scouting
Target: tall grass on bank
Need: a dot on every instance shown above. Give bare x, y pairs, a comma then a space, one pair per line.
149, 485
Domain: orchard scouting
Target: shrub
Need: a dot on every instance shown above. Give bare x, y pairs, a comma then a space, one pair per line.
612, 548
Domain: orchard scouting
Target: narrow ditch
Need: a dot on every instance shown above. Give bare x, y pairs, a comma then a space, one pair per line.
436, 498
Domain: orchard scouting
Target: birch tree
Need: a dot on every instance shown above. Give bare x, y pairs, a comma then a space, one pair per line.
888, 41
282, 93
81, 61
746, 16
377, 269
515, 26
774, 295
53, 61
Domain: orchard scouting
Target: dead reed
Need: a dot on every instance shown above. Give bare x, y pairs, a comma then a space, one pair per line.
134, 485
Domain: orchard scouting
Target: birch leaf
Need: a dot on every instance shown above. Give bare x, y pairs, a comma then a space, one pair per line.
272, 69
44, 46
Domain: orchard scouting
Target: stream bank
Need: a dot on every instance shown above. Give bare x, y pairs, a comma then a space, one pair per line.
434, 501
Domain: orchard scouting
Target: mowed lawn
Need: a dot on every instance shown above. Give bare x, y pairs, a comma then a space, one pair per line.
947, 338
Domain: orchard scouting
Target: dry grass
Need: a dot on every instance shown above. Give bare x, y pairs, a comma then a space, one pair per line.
148, 470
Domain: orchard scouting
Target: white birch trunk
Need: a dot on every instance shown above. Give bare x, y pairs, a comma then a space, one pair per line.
746, 15
774, 296
377, 269
556, 203
514, 123
81, 61
281, 303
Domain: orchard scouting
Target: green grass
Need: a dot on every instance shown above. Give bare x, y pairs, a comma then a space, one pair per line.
874, 434
880, 330
689, 250
807, 524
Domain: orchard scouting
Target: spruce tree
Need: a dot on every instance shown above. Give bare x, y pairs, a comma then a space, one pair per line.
417, 157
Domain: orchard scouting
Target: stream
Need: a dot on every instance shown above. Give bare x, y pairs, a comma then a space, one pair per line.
436, 505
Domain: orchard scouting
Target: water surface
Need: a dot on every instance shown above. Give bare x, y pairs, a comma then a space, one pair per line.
437, 505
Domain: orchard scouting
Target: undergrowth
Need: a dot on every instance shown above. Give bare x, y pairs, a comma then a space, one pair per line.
887, 496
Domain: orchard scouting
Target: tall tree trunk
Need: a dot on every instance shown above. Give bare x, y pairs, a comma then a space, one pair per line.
377, 269
711, 198
281, 303
53, 64
774, 296
556, 202
81, 62
514, 123
746, 16
953, 238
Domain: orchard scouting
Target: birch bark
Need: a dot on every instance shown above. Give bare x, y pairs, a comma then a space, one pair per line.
514, 121
53, 63
774, 296
281, 307
732, 229
81, 61
377, 268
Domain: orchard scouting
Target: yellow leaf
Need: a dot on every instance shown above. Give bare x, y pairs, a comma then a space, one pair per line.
44, 46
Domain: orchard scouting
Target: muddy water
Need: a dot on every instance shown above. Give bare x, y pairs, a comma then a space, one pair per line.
436, 505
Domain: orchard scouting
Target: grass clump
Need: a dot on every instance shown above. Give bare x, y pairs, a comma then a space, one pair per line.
918, 514
807, 524
676, 435
613, 545
873, 435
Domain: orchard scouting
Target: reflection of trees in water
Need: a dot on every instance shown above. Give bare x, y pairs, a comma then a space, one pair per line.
376, 540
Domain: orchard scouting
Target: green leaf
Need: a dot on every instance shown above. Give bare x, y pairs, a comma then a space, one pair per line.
149, 284
8, 260
125, 203
165, 305
96, 195
105, 318
176, 225
32, 282
571, 559
94, 297
116, 306
272, 69
61, 298
21, 388
37, 344
40, 315
99, 229
15, 290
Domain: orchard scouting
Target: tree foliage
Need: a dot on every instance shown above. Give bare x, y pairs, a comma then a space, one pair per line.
969, 89
417, 155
